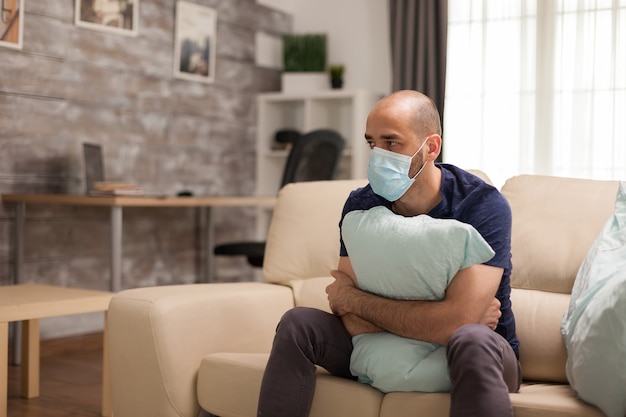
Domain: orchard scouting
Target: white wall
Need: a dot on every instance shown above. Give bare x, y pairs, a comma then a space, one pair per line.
358, 37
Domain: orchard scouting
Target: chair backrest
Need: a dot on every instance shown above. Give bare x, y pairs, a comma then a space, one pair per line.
314, 157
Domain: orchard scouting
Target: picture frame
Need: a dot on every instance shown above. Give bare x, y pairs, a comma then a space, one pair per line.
195, 42
11, 23
121, 17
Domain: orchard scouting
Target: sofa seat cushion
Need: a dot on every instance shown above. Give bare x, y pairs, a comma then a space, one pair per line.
553, 400
229, 385
533, 400
219, 373
337, 397
412, 404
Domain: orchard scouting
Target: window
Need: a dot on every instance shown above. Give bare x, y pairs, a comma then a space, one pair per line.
537, 86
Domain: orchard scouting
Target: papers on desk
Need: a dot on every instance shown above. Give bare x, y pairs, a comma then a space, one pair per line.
116, 188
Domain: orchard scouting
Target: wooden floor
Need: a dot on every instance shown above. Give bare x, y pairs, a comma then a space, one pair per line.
71, 380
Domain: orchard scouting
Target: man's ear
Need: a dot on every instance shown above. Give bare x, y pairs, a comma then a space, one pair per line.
434, 147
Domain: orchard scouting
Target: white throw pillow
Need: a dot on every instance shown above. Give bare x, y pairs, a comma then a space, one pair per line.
594, 327
407, 258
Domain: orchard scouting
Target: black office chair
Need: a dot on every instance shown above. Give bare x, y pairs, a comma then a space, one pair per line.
313, 157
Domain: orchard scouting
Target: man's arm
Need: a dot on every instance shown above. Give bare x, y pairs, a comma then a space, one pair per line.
353, 323
469, 299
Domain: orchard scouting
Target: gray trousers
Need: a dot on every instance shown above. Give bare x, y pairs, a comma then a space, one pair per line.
483, 367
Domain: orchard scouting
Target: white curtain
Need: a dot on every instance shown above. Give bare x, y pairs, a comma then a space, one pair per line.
537, 87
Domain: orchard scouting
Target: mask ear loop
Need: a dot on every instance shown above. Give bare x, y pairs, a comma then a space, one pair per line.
420, 171
416, 152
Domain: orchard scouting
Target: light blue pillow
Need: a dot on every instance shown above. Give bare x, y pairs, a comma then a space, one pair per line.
406, 258
594, 327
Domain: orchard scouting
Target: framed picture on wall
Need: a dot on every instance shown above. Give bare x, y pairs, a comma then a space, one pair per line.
12, 23
194, 42
120, 16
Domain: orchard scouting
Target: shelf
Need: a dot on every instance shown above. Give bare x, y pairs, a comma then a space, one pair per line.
283, 153
340, 110
326, 94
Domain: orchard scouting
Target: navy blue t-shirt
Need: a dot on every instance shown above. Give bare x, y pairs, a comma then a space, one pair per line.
468, 199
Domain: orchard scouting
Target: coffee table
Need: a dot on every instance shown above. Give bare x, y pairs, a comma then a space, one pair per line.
30, 302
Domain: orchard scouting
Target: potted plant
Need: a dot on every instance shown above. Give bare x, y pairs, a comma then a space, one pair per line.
304, 62
336, 75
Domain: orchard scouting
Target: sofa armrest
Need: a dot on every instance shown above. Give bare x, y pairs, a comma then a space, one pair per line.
159, 335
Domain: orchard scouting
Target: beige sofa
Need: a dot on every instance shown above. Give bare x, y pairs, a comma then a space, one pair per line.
177, 349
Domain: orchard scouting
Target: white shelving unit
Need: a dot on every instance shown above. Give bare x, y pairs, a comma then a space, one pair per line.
344, 111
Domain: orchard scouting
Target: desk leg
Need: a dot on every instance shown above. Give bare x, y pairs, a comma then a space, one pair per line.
116, 248
4, 367
18, 266
209, 243
20, 214
107, 403
16, 360
30, 356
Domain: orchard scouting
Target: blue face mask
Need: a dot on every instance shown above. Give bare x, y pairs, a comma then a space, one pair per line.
388, 173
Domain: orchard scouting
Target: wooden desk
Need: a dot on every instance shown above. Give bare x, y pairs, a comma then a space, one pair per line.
28, 304
116, 205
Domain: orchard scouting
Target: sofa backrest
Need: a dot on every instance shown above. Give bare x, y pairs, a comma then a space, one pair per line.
555, 221
303, 238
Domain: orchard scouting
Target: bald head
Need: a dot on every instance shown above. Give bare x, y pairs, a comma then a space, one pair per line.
418, 109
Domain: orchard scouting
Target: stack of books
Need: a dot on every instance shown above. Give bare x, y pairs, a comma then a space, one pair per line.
116, 188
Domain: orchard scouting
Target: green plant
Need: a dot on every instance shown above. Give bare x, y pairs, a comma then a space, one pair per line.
336, 71
304, 53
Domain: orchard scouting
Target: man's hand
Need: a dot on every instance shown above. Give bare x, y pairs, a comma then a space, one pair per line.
339, 291
492, 315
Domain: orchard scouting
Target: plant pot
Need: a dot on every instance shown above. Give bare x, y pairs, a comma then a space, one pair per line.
336, 83
304, 82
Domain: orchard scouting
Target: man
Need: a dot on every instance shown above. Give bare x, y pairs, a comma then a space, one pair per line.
404, 133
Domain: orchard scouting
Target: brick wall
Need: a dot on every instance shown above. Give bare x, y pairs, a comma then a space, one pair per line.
70, 84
